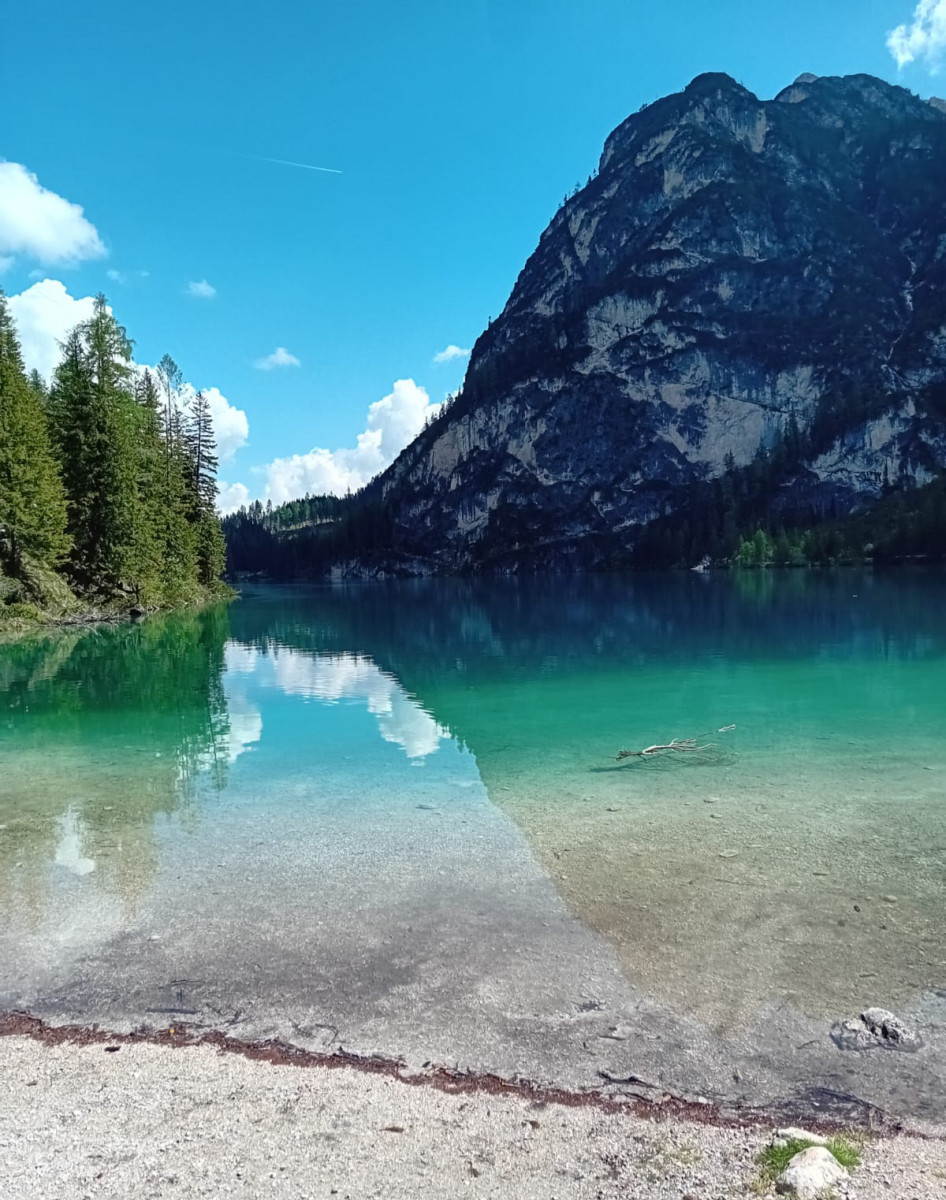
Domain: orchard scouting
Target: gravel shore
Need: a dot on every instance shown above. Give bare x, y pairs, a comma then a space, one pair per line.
153, 1121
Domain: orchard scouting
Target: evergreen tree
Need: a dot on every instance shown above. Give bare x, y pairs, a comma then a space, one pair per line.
170, 380
204, 452
211, 550
38, 384
32, 500
95, 423
179, 533
109, 467
146, 565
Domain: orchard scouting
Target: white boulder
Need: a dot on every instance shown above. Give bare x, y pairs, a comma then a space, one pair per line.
810, 1173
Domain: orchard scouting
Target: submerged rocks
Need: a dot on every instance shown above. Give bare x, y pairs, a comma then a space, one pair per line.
810, 1174
876, 1027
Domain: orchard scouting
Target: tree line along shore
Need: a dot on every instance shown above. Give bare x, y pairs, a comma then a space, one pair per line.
107, 482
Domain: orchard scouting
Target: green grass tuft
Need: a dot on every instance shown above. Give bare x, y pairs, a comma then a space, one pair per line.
847, 1152
18, 611
774, 1159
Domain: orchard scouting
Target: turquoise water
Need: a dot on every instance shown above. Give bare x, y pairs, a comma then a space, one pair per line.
436, 733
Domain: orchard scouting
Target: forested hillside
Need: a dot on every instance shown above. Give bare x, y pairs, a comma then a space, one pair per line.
107, 480
730, 521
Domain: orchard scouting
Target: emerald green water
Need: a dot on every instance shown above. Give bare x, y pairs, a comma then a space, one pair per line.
371, 738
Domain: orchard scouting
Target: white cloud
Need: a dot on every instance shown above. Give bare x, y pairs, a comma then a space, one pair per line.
923, 38
39, 224
45, 314
449, 353
280, 357
392, 422
231, 496
201, 289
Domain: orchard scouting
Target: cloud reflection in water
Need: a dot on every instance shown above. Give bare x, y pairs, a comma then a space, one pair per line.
331, 679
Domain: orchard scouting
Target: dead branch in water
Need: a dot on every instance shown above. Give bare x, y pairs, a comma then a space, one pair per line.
678, 745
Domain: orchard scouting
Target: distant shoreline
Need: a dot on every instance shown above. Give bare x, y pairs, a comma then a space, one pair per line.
358, 571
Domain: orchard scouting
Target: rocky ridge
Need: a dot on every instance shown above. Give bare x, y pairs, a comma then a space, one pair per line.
741, 278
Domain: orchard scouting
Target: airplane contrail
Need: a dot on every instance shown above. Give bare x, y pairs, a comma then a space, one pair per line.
284, 162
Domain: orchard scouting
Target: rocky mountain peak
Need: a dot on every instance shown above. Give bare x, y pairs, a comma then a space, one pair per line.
837, 101
740, 272
711, 99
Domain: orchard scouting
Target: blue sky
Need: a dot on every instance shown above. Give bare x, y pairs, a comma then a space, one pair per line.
456, 129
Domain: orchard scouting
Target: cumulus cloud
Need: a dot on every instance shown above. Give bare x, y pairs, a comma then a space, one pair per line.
45, 314
449, 353
231, 496
924, 38
39, 224
280, 357
201, 289
392, 422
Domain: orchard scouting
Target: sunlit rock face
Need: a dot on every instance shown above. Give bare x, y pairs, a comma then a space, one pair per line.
735, 269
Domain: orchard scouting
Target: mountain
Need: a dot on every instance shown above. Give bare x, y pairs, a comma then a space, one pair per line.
741, 318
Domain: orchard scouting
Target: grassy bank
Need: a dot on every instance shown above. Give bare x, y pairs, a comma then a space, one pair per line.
37, 598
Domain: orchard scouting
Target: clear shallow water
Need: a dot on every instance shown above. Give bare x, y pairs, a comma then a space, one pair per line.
311, 759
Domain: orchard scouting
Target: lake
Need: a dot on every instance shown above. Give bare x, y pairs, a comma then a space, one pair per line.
390, 818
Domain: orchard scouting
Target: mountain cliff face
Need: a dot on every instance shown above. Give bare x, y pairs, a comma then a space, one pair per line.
742, 282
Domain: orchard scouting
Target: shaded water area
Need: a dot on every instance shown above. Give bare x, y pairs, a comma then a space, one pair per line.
389, 817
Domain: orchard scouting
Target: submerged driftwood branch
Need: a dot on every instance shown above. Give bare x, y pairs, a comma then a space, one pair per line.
679, 745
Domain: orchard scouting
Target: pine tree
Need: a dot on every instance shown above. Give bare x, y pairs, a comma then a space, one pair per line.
211, 549
95, 423
146, 561
32, 500
38, 384
178, 528
204, 450
170, 380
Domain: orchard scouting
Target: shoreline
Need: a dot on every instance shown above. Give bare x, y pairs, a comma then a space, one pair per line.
363, 571
661, 1106
112, 1120
17, 627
